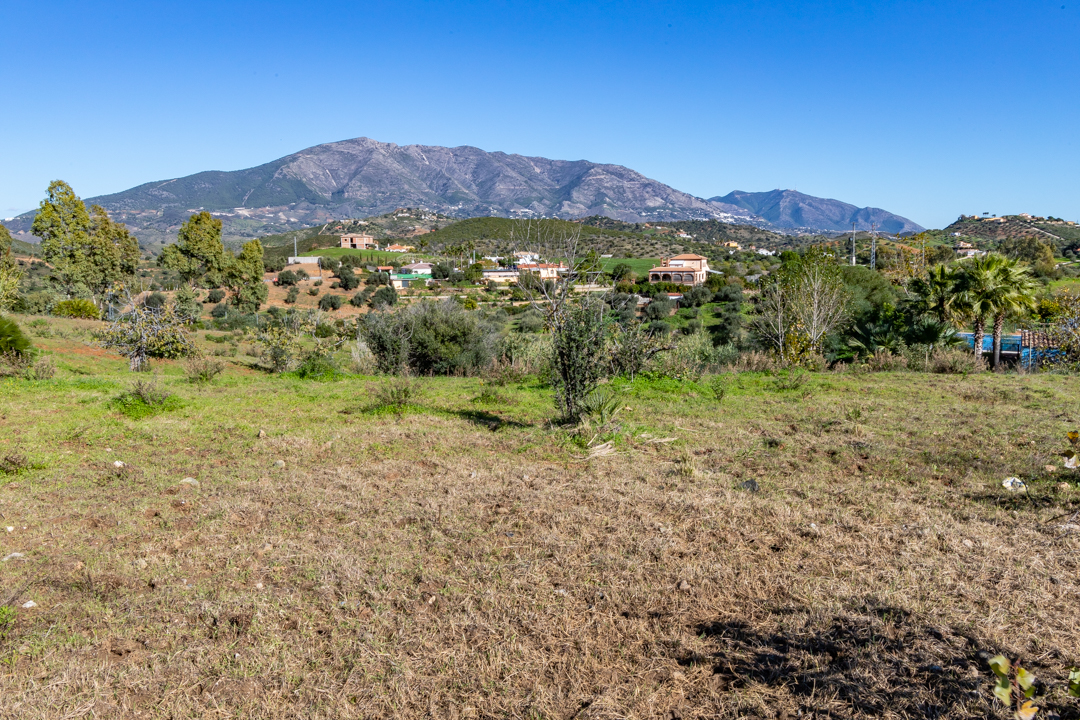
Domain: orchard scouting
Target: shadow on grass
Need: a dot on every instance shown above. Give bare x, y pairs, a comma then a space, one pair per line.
877, 661
482, 418
486, 419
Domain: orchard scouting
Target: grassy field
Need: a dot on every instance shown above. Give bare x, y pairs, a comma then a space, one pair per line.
838, 547
640, 266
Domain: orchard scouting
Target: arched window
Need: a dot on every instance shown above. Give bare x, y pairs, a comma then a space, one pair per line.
667, 277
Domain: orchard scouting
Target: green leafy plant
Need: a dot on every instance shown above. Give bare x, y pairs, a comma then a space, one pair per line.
7, 619
143, 399
1015, 687
12, 339
790, 380
1074, 682
718, 386
77, 308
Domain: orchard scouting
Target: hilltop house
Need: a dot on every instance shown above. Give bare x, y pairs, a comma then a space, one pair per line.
399, 248
418, 268
359, 241
688, 269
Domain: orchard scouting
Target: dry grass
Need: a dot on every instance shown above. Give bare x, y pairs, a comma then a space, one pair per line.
467, 563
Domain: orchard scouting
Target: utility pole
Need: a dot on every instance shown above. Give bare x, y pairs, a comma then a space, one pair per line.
852, 243
873, 246
294, 250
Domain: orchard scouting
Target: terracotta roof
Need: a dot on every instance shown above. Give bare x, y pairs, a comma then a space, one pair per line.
688, 256
675, 269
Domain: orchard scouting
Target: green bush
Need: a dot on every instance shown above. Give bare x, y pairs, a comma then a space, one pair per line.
144, 399
331, 302
215, 296
292, 296
219, 311
286, 278
12, 339
77, 308
385, 296
429, 338
318, 365
155, 300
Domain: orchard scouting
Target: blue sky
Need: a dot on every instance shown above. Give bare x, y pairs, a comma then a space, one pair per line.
927, 109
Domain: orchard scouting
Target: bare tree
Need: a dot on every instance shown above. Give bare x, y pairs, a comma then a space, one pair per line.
774, 319
820, 299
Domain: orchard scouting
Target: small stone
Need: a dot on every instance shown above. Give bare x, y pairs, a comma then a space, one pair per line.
279, 463
29, 604
108, 449
119, 464
1064, 486
262, 433
258, 586
190, 481
1050, 468
967, 543
10, 528
684, 586
750, 485
12, 556
560, 591
267, 547
140, 563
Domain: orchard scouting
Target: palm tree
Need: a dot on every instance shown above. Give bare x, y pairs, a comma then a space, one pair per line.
937, 293
994, 286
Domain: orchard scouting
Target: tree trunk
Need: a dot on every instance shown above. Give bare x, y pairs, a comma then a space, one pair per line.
978, 339
999, 324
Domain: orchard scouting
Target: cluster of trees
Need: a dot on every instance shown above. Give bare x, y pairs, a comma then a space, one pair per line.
200, 258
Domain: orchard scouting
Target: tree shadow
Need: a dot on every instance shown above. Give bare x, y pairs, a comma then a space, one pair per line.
486, 419
877, 662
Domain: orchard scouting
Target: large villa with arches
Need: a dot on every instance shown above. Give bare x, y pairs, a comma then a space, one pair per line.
686, 269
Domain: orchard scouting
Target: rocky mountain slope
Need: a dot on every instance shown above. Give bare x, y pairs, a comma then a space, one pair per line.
791, 210
363, 177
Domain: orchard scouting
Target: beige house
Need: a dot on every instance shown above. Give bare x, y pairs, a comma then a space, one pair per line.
546, 271
400, 248
359, 241
688, 269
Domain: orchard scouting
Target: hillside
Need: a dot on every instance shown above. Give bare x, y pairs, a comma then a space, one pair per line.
363, 177
791, 210
1061, 234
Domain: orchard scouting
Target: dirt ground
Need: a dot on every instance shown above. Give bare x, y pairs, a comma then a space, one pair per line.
844, 549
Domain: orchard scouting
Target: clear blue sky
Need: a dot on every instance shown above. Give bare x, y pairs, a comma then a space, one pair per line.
928, 109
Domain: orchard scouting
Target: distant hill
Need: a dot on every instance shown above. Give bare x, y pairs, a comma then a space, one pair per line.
1059, 233
791, 210
364, 177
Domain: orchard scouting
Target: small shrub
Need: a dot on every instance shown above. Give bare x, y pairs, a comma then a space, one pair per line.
143, 399
331, 302
215, 296
718, 386
884, 361
153, 300
319, 364
790, 380
318, 283
220, 310
202, 369
313, 291
953, 362
395, 394
292, 296
78, 308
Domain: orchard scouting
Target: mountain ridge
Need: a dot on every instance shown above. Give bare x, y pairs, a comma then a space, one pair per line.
793, 210
362, 177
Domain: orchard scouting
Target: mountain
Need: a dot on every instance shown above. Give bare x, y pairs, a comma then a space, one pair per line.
364, 177
791, 210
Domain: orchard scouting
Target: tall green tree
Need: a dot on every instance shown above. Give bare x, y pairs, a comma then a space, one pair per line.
83, 246
198, 253
244, 277
10, 275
